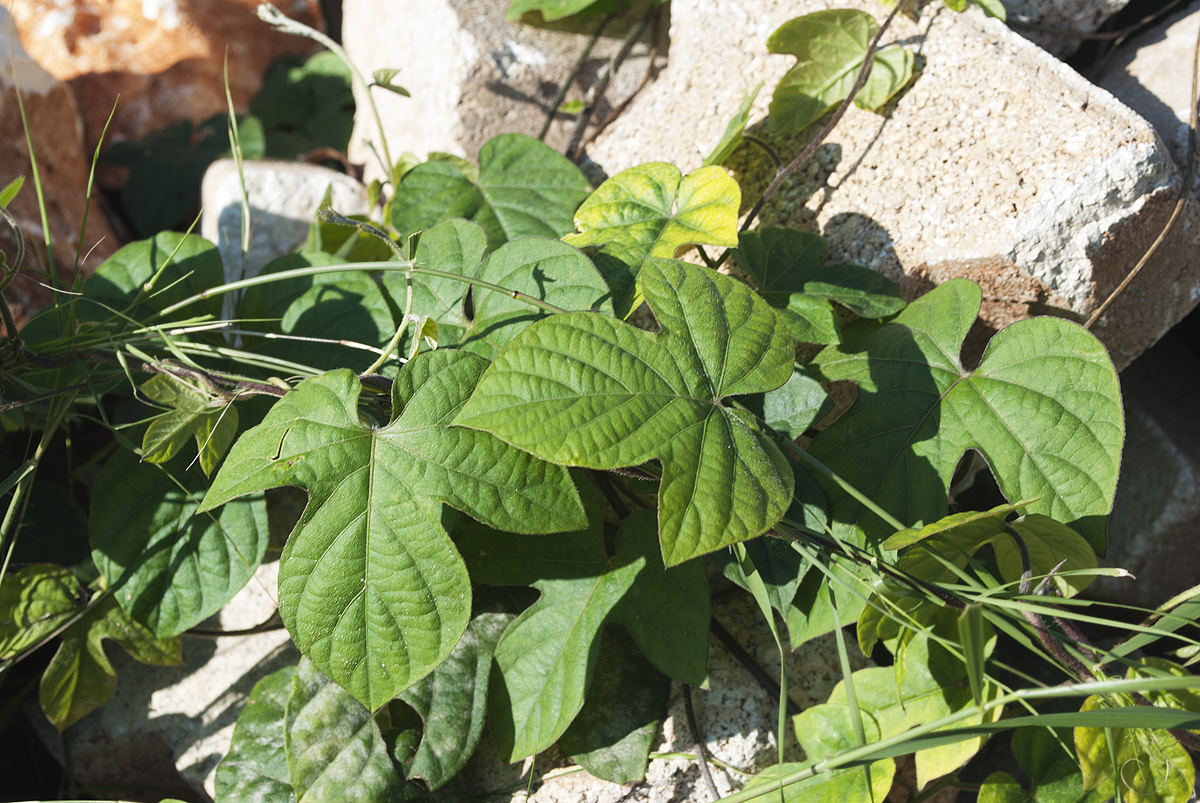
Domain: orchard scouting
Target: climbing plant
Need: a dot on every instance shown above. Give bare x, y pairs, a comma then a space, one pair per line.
525, 426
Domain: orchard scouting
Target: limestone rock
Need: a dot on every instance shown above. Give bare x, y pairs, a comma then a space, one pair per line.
165, 59
473, 74
1036, 180
190, 709
284, 197
63, 165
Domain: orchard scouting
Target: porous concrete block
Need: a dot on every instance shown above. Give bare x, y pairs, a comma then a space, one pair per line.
284, 197
998, 163
1042, 17
190, 708
473, 74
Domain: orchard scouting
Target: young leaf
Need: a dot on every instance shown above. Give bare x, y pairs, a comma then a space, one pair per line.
584, 389
523, 189
333, 744
654, 211
34, 602
255, 769
169, 568
383, 80
370, 586
830, 47
612, 734
79, 678
733, 132
195, 414
337, 306
10, 191
1154, 766
1043, 408
452, 702
548, 655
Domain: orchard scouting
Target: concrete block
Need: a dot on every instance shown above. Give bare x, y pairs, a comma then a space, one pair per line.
1041, 17
284, 197
998, 163
473, 74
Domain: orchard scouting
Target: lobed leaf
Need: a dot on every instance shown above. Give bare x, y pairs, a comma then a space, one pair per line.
371, 587
586, 390
652, 210
34, 602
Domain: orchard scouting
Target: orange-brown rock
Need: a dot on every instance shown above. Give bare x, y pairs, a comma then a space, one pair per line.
63, 165
164, 58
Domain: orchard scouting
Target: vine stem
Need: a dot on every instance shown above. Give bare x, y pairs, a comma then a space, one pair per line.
864, 73
569, 81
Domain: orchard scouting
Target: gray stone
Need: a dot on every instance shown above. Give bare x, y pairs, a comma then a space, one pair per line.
186, 712
1042, 16
736, 715
284, 197
473, 74
998, 163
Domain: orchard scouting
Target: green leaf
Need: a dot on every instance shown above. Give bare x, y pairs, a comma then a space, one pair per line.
785, 263
169, 568
370, 586
1043, 408
557, 9
344, 306
189, 265
523, 189
612, 734
79, 678
547, 657
305, 105
733, 132
333, 744
830, 47
1154, 767
10, 191
586, 390
797, 405
549, 270
1048, 758
34, 602
854, 785
383, 80
452, 702
993, 8
1052, 546
1000, 787
195, 413
255, 769
779, 567
654, 211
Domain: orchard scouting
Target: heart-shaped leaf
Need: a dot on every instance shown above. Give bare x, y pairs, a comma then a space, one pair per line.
370, 585
168, 567
584, 389
333, 745
653, 211
181, 265
34, 602
523, 189
1043, 408
830, 47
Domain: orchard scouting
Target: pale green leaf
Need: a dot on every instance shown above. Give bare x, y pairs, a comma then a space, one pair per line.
733, 132
1043, 408
1154, 767
195, 414
1000, 787
993, 8
523, 189
168, 567
830, 47
34, 602
383, 80
552, 10
255, 769
868, 784
452, 702
333, 745
370, 586
586, 390
10, 191
79, 678
653, 211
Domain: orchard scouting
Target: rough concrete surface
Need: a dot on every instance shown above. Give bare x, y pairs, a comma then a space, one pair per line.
473, 74
1083, 16
284, 197
970, 171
